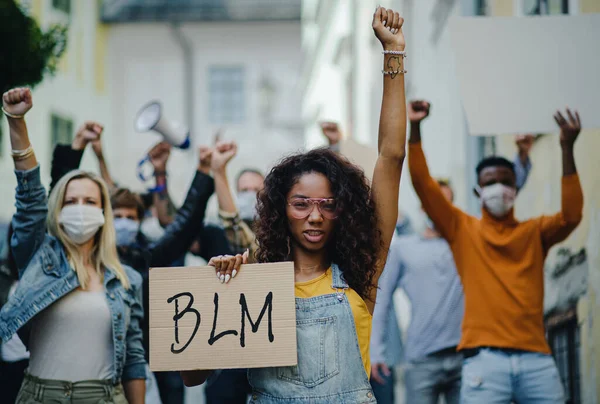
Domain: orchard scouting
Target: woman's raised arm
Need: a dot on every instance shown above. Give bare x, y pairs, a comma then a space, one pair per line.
387, 25
29, 222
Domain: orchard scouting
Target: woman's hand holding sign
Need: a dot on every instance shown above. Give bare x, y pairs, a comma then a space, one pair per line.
227, 266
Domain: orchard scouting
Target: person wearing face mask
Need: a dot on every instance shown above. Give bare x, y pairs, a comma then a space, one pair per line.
422, 265
77, 307
249, 183
500, 261
237, 215
133, 246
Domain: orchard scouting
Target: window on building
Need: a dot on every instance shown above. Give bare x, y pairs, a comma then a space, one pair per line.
227, 95
545, 7
564, 340
62, 5
62, 130
481, 7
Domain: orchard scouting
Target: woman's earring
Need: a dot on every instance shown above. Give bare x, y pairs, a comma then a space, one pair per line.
289, 250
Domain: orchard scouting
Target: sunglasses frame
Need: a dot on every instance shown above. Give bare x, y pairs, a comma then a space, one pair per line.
315, 202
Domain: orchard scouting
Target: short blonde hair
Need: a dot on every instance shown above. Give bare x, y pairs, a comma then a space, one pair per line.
104, 252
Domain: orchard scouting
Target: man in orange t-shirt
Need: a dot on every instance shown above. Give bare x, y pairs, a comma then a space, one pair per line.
500, 261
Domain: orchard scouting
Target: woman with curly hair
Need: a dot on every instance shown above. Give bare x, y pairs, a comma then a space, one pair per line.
318, 210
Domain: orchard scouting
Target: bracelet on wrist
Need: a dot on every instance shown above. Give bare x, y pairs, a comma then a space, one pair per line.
394, 52
13, 116
19, 155
158, 188
394, 72
160, 173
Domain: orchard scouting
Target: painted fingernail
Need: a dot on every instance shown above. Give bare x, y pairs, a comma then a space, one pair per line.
384, 22
227, 278
222, 278
218, 275
234, 273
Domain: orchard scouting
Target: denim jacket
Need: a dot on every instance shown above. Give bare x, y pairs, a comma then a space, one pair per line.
46, 276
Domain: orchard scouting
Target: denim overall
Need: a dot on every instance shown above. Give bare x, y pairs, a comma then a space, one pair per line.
330, 367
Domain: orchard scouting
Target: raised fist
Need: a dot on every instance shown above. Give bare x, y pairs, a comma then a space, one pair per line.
222, 155
418, 110
17, 101
387, 25
159, 155
88, 132
524, 143
205, 157
332, 132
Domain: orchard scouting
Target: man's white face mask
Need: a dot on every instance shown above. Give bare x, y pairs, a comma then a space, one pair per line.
498, 199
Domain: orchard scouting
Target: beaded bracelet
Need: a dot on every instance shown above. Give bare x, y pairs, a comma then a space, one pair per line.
392, 52
394, 72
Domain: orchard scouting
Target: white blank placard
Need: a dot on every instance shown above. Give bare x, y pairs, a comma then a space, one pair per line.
515, 72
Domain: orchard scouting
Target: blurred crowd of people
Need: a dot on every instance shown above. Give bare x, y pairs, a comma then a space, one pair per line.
74, 283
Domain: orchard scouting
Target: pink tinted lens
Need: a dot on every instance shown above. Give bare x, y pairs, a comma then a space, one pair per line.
302, 208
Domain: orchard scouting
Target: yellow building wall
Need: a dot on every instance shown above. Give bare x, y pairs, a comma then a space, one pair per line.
100, 58
501, 8
589, 6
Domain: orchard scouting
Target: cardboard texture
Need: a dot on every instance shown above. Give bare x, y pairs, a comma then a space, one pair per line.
362, 155
514, 73
255, 283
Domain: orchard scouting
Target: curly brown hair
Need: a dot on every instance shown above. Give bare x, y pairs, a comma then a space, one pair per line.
356, 239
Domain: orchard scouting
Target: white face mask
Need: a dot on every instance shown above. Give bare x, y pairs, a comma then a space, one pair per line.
152, 229
498, 199
246, 202
81, 222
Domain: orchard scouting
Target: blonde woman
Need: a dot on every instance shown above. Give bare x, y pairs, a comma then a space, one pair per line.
76, 307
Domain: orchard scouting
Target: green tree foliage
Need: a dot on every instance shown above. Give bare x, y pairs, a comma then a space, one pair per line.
26, 53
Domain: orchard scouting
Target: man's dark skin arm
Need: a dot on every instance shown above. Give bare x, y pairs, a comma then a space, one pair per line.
569, 130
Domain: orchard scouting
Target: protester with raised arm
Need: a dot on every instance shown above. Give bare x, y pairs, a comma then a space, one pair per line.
500, 261
66, 158
133, 248
77, 307
237, 214
318, 210
102, 166
423, 266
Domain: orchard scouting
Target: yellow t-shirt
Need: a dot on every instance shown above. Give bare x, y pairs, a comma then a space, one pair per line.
362, 318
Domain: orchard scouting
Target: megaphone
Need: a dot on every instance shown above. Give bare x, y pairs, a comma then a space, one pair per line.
150, 118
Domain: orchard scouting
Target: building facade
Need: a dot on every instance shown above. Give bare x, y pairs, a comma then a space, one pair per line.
216, 67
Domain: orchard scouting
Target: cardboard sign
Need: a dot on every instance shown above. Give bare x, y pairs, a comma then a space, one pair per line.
196, 322
514, 73
362, 155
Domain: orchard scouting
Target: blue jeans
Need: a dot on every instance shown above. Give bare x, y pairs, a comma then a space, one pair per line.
436, 375
384, 393
495, 376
